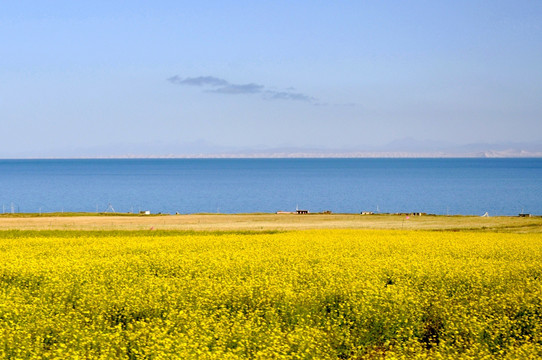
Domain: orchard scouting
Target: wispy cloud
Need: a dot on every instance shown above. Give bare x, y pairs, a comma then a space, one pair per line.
221, 86
288, 95
239, 89
198, 81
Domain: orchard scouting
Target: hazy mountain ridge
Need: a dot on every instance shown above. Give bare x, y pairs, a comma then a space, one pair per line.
401, 148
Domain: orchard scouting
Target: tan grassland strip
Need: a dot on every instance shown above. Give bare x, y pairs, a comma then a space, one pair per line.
271, 222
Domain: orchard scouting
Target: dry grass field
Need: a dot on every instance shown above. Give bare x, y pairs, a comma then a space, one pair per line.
258, 222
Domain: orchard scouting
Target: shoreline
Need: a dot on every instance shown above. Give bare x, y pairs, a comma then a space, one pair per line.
278, 213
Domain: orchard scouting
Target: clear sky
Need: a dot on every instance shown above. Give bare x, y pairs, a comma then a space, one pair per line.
87, 75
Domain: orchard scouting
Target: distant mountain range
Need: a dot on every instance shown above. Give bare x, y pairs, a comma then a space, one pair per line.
402, 148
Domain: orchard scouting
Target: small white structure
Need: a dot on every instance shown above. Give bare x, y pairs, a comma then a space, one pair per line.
145, 212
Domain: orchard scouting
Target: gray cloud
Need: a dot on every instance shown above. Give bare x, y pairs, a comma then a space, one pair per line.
221, 86
239, 89
198, 81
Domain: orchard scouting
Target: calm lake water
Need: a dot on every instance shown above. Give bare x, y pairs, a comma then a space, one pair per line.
439, 186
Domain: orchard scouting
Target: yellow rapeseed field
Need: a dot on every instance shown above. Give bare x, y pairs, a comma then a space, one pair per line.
316, 294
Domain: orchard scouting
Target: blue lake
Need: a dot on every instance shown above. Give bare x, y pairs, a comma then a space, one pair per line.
438, 186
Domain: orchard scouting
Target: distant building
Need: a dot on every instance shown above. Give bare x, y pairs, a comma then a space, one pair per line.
145, 212
301, 212
367, 213
524, 215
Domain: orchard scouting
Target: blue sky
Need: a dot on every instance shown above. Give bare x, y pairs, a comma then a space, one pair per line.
77, 78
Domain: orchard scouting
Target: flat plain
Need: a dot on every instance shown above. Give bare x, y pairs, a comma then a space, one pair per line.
230, 222
267, 286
